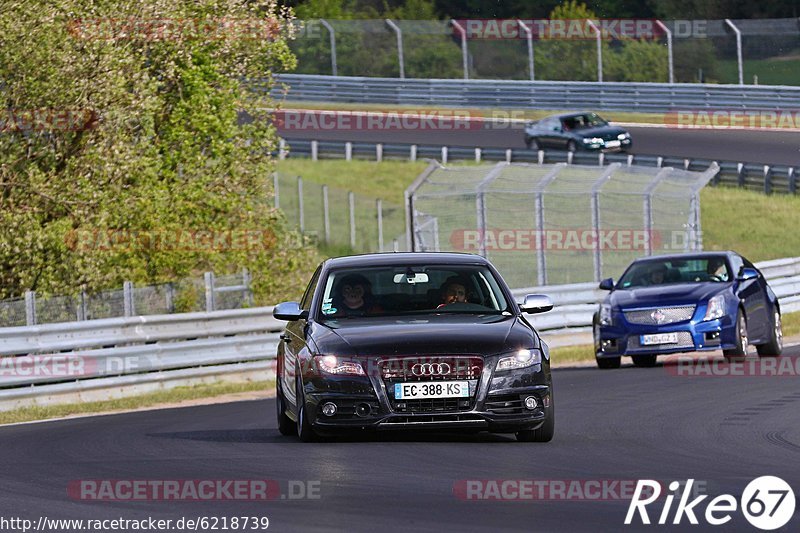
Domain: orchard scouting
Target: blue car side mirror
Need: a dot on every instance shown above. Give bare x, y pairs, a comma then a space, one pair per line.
747, 273
607, 284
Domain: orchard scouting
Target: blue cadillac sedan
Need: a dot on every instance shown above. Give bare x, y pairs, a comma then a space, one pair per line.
683, 303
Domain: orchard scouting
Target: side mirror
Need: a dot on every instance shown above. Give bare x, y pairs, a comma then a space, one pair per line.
289, 311
747, 273
607, 284
536, 303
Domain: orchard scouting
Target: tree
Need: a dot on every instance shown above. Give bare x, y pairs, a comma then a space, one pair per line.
159, 152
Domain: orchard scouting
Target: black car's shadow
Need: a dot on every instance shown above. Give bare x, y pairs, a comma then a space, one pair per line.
271, 435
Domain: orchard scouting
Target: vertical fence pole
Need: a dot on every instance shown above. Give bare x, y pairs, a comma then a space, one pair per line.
300, 204
379, 209
82, 308
399, 46
669, 50
127, 299
332, 34
599, 50
738, 49
30, 308
247, 282
529, 38
326, 215
352, 201
464, 60
208, 277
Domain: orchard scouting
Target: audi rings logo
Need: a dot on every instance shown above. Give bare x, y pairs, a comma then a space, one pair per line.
430, 369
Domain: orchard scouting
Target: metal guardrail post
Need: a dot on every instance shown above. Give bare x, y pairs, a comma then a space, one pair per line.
767, 179
741, 175
30, 308
477, 155
599, 51
444, 155
208, 278
326, 215
738, 49
529, 38
82, 310
379, 152
412, 156
379, 209
669, 50
348, 151
314, 150
464, 59
792, 181
301, 211
127, 299
399, 46
281, 149
351, 198
332, 34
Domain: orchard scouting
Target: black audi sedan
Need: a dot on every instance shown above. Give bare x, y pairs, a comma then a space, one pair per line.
576, 131
412, 341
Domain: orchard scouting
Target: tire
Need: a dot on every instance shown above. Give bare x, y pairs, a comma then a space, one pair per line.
571, 146
531, 143
774, 347
740, 350
545, 432
303, 429
285, 424
644, 360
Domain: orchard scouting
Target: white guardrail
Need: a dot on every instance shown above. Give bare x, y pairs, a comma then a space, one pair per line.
101, 359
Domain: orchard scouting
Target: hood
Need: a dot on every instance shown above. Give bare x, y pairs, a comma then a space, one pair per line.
604, 132
665, 295
424, 335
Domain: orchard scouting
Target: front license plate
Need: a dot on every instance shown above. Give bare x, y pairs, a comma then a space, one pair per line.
612, 144
436, 389
659, 338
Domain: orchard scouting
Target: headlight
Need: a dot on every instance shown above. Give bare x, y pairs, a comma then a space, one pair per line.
330, 364
519, 359
716, 307
605, 315
623, 136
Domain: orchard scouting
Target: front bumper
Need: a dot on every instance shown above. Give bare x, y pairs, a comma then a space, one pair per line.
626, 339
496, 403
624, 144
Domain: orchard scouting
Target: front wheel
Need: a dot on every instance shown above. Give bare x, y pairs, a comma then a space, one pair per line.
774, 347
531, 143
741, 339
305, 431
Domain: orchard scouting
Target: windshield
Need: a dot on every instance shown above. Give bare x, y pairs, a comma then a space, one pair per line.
663, 272
589, 120
410, 290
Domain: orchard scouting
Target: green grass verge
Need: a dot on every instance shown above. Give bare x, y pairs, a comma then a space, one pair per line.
790, 322
581, 353
177, 394
771, 71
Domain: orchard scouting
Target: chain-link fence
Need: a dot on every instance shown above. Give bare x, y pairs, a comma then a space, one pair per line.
759, 51
335, 217
554, 224
210, 293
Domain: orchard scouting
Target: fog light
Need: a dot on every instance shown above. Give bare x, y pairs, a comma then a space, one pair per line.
363, 409
530, 402
329, 409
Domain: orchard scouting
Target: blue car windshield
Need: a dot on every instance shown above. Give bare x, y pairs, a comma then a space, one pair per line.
688, 270
411, 290
589, 120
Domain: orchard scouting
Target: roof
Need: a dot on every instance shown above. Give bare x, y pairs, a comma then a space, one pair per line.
686, 255
405, 258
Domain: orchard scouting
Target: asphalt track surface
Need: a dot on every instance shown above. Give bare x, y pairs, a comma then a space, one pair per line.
752, 146
624, 424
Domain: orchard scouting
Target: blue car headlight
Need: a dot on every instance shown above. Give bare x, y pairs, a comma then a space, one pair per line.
519, 359
623, 136
716, 308
605, 315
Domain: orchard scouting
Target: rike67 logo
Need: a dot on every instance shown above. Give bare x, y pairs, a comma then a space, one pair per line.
767, 502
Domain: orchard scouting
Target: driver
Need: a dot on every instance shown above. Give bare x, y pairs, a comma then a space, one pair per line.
454, 290
716, 269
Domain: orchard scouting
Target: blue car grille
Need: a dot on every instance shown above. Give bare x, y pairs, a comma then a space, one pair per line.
660, 316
